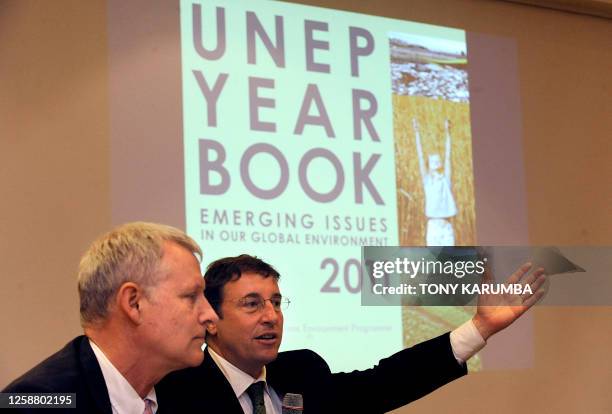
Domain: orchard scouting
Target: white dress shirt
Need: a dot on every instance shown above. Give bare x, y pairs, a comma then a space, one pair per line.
240, 381
123, 397
465, 342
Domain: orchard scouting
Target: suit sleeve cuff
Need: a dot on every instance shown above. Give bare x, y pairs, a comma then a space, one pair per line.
466, 341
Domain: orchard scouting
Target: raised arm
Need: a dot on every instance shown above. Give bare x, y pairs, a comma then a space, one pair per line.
415, 126
447, 151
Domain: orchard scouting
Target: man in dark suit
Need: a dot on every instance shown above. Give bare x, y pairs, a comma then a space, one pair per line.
143, 312
243, 372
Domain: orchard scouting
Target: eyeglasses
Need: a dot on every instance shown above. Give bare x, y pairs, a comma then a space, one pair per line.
253, 304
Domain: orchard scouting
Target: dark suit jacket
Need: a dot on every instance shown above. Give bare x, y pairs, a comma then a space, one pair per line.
73, 369
394, 382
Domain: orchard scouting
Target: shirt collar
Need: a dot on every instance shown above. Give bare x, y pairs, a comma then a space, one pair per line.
123, 397
238, 379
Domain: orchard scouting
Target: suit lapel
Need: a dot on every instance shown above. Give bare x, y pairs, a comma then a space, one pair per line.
302, 372
93, 377
219, 393
280, 375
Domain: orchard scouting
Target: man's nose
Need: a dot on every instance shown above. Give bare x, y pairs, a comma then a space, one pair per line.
268, 313
207, 313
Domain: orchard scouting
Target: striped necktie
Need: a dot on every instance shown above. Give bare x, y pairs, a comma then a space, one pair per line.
255, 392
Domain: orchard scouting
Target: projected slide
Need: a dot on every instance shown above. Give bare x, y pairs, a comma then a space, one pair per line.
311, 132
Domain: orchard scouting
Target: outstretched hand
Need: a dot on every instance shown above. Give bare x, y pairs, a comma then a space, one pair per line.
496, 312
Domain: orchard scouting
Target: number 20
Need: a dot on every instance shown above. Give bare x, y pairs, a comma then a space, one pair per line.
335, 267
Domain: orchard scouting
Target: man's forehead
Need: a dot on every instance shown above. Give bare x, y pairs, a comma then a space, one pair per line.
186, 281
182, 276
250, 282
199, 282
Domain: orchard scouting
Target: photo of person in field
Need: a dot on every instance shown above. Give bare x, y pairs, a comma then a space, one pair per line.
433, 143
433, 162
439, 201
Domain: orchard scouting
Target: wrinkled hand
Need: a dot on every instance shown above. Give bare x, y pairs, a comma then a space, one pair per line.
496, 312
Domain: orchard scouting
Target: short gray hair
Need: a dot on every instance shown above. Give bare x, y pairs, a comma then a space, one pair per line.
128, 253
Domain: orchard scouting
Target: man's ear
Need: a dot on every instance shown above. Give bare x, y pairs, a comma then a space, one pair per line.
129, 297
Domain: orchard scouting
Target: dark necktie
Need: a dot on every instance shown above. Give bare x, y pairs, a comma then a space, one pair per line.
256, 393
148, 406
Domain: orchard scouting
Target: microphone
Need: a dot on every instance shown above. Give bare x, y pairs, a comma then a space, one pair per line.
293, 404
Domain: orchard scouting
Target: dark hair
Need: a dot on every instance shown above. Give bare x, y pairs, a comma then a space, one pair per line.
228, 269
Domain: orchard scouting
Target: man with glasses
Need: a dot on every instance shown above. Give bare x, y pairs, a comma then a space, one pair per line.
241, 343
243, 372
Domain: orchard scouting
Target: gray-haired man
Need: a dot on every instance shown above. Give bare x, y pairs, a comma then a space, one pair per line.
144, 315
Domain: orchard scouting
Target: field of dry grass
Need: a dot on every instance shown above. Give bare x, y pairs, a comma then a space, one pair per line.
422, 323
430, 114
